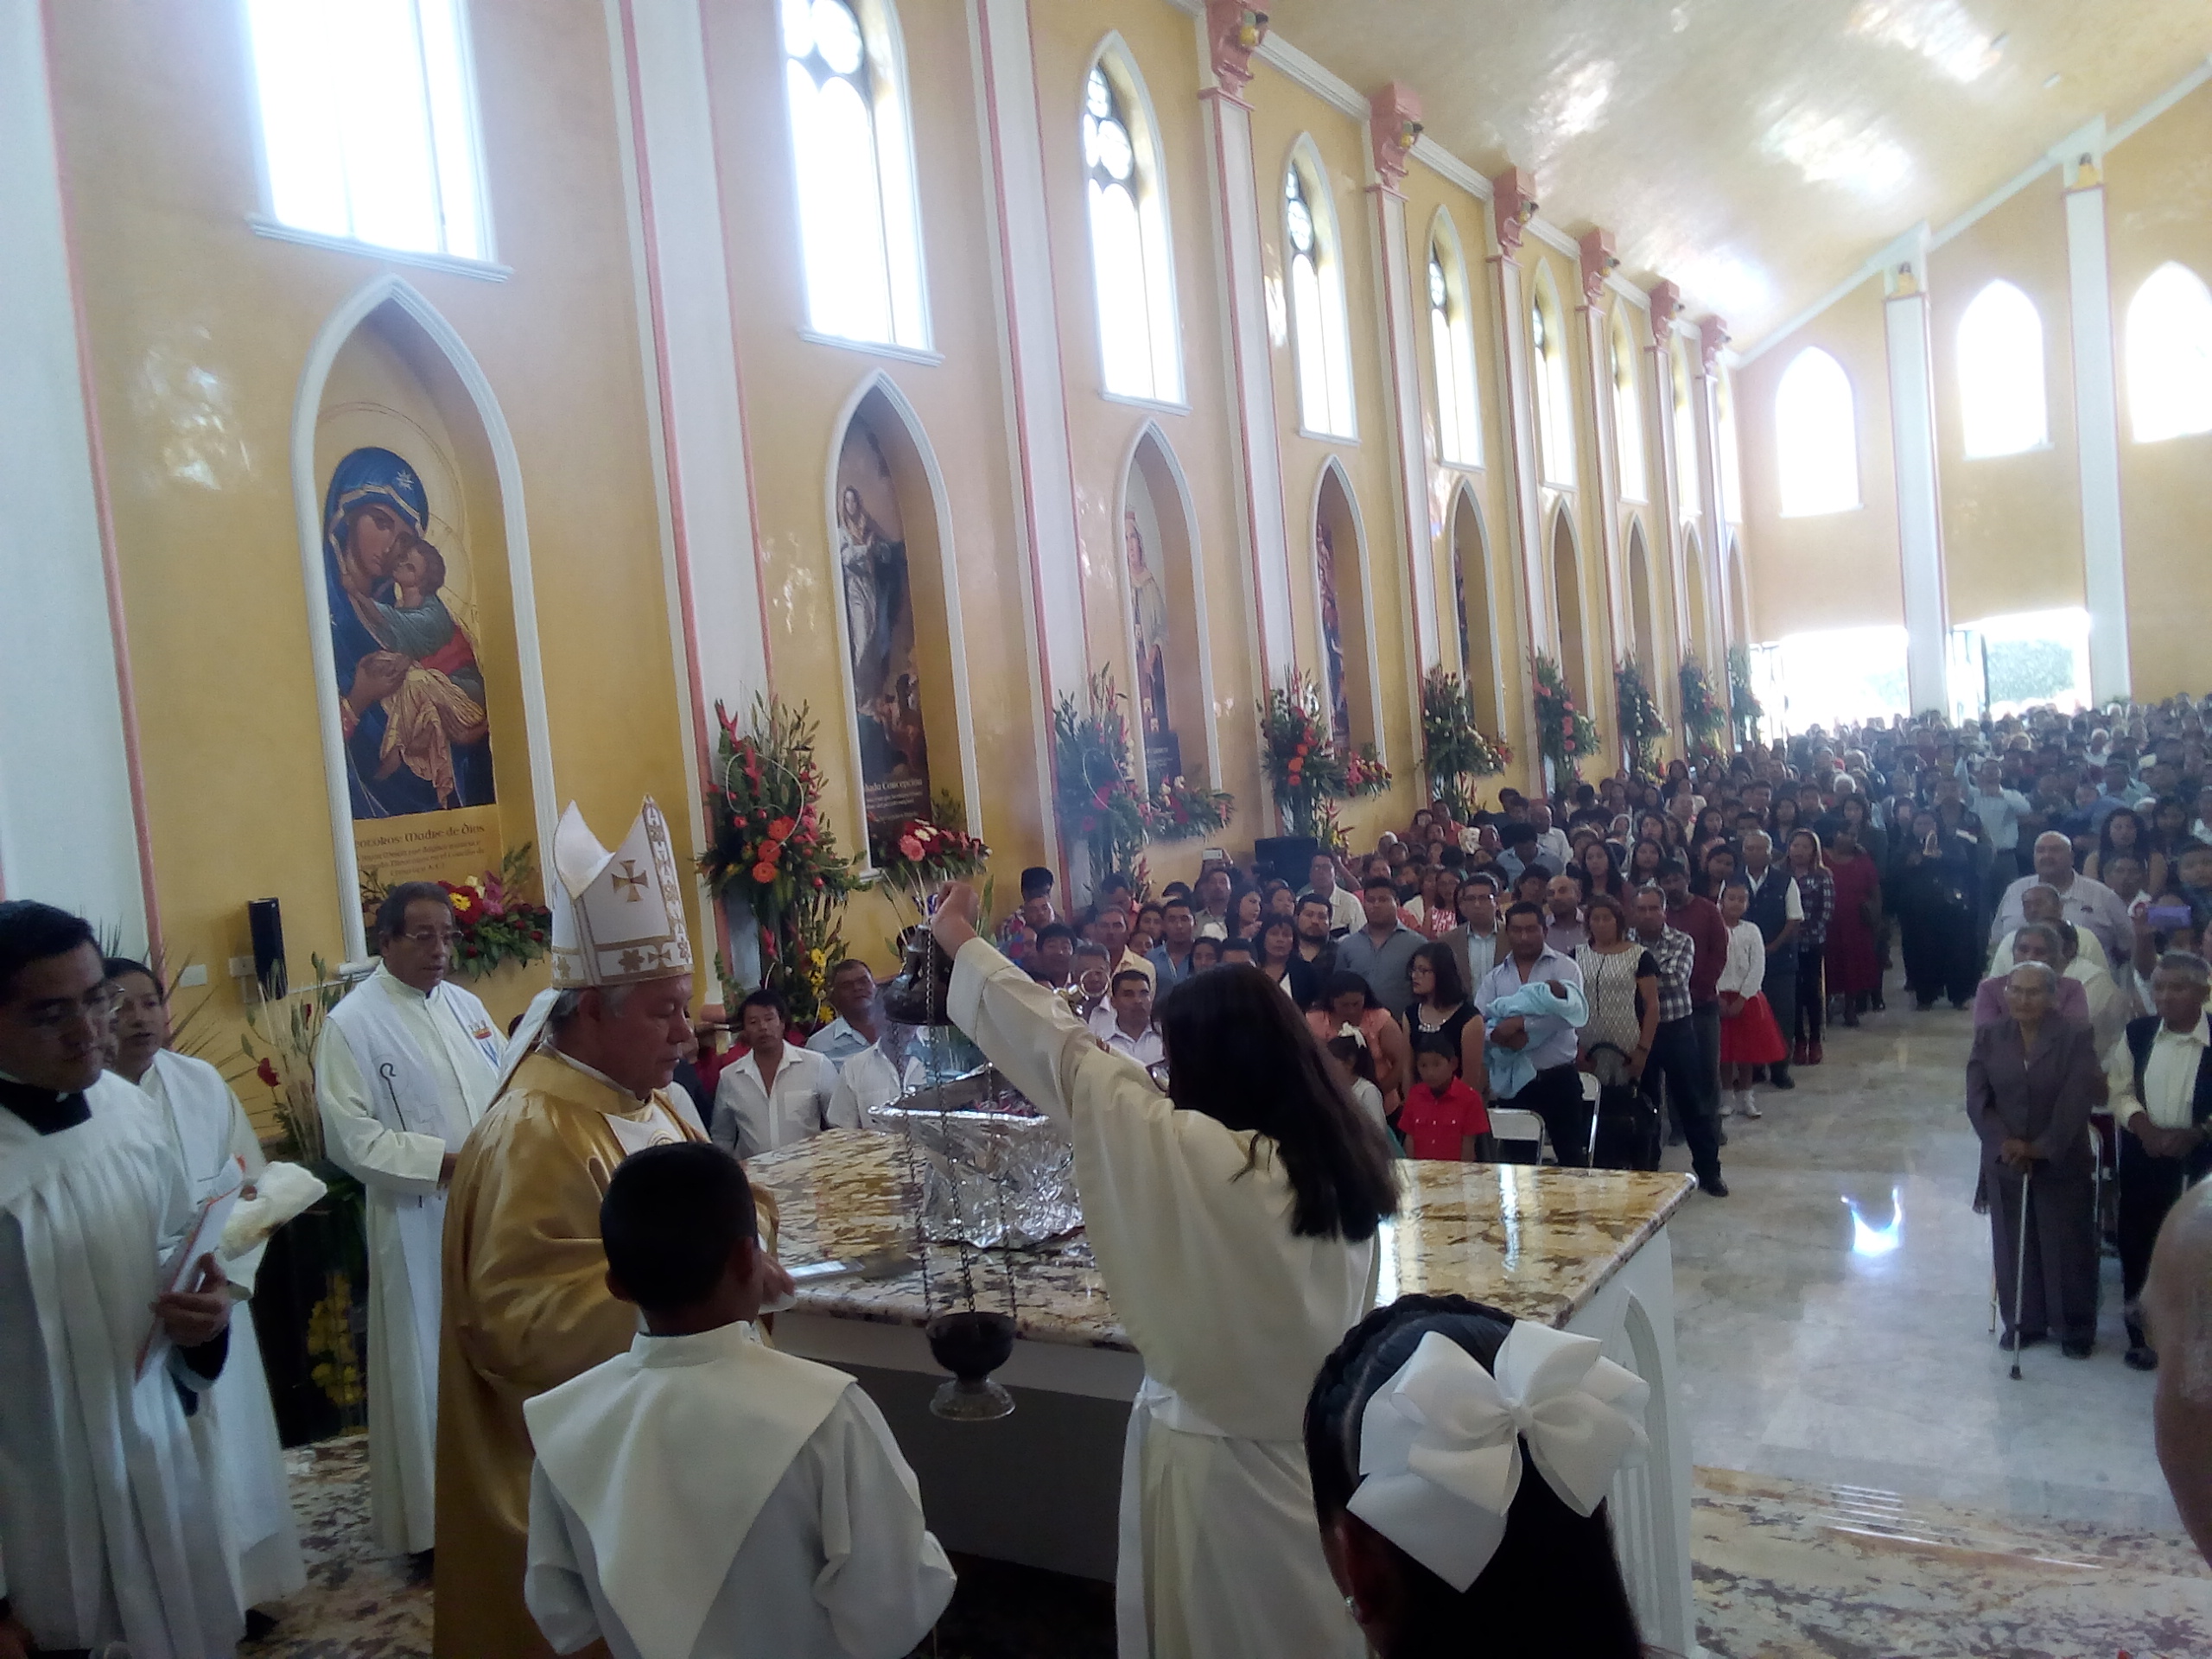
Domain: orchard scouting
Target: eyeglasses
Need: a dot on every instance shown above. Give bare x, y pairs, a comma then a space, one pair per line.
429, 935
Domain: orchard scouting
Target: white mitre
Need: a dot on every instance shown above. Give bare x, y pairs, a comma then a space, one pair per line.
617, 918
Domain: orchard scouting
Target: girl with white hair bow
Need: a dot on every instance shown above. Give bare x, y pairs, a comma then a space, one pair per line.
1460, 1460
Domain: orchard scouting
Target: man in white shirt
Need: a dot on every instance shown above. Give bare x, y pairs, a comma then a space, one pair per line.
404, 1070
1124, 1024
1345, 911
852, 993
2087, 903
875, 1077
1212, 893
1110, 927
1551, 845
1482, 936
2001, 812
776, 1092
2161, 1100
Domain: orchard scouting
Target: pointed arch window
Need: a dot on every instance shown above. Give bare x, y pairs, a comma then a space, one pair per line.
1732, 472
1451, 343
400, 170
2169, 355
1139, 344
1628, 411
1322, 338
1555, 400
2001, 401
1816, 436
1689, 487
859, 224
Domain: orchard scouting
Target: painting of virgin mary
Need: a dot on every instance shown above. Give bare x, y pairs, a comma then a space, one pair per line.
411, 694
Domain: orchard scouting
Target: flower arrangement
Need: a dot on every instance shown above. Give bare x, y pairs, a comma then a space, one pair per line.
1637, 711
1303, 769
1454, 748
1744, 705
1180, 810
1099, 802
1365, 772
495, 922
1702, 718
769, 849
1564, 734
918, 854
279, 1043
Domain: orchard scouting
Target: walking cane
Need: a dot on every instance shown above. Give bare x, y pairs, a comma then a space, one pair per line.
2020, 1272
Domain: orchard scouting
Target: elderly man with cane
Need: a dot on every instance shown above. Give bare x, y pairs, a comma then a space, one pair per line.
2032, 1082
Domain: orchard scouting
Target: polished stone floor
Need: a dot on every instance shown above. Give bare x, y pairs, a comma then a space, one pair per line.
1871, 1482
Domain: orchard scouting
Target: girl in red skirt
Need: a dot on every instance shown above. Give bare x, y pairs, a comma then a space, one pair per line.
1748, 1035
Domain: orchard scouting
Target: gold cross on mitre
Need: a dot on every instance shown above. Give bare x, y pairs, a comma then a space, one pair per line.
630, 882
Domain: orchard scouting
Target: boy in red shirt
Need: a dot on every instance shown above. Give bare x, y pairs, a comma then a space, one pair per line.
1443, 1118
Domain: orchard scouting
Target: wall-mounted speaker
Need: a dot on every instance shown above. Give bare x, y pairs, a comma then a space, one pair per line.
1286, 858
265, 921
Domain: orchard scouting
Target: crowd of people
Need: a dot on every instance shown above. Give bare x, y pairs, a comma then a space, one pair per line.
570, 1271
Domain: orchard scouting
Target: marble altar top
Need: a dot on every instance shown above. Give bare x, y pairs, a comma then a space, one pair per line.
1537, 1243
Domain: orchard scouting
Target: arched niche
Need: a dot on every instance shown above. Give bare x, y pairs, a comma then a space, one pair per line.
1566, 600
1694, 590
1643, 629
415, 550
1472, 604
908, 723
1739, 597
1351, 694
1164, 602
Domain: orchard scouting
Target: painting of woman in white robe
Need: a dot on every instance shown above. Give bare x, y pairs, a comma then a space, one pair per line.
877, 598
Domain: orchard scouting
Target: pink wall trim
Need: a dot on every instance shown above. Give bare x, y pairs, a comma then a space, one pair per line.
1252, 484
1055, 831
118, 628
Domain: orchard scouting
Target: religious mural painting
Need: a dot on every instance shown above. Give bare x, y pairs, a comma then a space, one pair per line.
1150, 620
879, 606
413, 707
1336, 688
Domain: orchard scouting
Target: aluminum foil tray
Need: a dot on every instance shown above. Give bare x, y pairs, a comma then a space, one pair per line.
994, 1171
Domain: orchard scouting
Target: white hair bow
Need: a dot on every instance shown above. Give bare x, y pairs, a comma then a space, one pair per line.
1354, 1033
1439, 1443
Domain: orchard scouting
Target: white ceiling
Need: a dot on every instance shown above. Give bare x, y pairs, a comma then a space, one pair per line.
1757, 152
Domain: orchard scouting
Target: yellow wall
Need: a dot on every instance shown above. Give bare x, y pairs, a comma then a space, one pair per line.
198, 330
2159, 207
2011, 524
1839, 570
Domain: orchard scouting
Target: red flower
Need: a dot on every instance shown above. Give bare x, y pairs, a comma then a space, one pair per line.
764, 874
267, 1072
781, 829
911, 847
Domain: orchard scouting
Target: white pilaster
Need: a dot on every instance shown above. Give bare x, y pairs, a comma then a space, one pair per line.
1044, 465
1595, 263
2096, 426
1510, 205
1236, 205
694, 366
1920, 527
1666, 490
71, 829
1712, 519
1395, 121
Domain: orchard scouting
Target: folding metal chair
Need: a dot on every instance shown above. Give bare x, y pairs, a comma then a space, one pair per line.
1520, 1127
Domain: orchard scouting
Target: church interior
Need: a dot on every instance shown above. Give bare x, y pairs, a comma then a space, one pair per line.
917, 397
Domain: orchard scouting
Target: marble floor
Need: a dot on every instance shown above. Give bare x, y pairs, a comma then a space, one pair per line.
1871, 1482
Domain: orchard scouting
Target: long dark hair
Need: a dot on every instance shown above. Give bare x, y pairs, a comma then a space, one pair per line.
1238, 1052
2106, 849
1555, 1585
1443, 963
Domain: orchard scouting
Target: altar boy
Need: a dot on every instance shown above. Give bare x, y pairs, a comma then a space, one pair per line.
702, 1493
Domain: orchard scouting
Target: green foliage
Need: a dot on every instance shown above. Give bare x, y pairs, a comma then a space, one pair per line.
1453, 749
1642, 726
1744, 705
1304, 771
1566, 735
1099, 801
1703, 718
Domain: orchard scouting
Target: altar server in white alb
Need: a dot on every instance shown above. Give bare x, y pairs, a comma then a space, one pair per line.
110, 1529
1233, 1219
702, 1494
404, 1068
208, 1131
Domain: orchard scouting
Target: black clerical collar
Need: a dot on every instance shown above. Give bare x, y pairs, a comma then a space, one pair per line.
43, 1110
